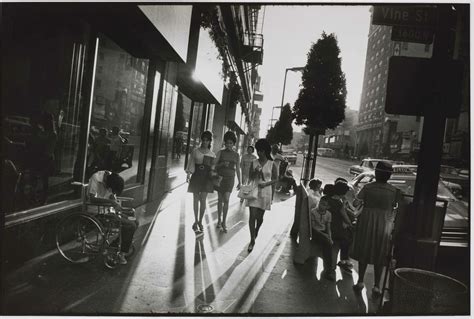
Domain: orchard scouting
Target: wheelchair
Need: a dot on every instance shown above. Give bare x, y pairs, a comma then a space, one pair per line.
81, 237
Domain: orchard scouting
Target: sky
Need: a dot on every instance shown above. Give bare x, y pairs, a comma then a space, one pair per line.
289, 32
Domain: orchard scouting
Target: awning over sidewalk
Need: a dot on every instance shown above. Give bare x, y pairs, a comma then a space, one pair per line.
235, 127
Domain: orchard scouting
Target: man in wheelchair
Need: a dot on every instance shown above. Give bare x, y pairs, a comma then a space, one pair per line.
104, 186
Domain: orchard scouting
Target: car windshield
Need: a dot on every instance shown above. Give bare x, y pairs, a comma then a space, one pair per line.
407, 186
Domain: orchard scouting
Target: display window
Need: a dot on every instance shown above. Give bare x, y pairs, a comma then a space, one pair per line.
42, 104
117, 128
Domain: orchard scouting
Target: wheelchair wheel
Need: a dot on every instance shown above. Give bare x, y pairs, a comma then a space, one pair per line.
79, 238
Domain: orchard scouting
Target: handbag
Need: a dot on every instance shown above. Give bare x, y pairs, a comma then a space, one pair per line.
216, 181
248, 191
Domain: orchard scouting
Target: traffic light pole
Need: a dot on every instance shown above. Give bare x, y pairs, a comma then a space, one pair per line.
429, 160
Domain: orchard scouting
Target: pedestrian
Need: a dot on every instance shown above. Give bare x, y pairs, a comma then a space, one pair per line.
245, 163
314, 193
288, 182
199, 175
341, 226
374, 225
278, 159
328, 190
264, 173
227, 162
321, 234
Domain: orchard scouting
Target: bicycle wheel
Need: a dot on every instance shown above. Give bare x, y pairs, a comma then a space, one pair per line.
79, 238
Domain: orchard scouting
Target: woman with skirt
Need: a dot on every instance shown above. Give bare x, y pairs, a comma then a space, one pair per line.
227, 162
264, 173
199, 175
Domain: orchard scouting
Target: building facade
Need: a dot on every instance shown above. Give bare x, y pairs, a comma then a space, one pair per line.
76, 74
380, 134
343, 138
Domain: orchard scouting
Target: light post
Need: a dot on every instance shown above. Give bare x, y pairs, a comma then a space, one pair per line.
294, 69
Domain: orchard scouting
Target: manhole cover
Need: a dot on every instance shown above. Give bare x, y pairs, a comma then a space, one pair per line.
205, 308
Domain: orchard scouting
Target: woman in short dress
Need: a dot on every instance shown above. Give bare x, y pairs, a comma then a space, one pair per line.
199, 172
245, 163
374, 225
264, 173
227, 162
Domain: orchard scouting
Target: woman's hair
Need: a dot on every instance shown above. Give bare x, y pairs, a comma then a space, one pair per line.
115, 182
314, 182
328, 190
340, 189
230, 136
207, 135
262, 145
250, 146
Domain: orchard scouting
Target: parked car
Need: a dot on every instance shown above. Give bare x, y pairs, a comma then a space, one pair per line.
290, 157
456, 223
454, 175
325, 152
367, 165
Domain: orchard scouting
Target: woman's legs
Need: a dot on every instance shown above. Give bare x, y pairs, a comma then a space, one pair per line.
220, 201
259, 219
196, 199
378, 275
252, 214
202, 208
225, 209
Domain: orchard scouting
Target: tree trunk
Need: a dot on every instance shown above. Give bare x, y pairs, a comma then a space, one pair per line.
315, 151
308, 158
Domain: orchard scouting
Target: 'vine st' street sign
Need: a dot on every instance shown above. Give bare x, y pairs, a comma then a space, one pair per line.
412, 16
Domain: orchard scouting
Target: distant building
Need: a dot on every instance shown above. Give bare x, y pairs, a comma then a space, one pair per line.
342, 138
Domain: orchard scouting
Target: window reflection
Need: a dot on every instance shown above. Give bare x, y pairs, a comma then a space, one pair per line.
117, 113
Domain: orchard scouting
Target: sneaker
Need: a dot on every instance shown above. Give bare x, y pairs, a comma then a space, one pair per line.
121, 258
358, 286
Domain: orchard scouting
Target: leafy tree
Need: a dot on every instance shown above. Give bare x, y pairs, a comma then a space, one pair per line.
282, 132
322, 100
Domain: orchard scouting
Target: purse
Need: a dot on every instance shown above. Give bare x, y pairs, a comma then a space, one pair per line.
248, 191
216, 181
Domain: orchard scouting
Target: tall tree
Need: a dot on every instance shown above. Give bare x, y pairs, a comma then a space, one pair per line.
282, 132
322, 100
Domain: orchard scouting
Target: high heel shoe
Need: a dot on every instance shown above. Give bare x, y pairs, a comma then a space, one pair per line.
195, 227
250, 248
224, 228
201, 228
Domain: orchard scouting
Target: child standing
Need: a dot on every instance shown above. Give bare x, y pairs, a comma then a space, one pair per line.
314, 193
321, 226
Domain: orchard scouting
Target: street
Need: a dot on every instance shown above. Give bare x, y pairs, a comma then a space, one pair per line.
173, 271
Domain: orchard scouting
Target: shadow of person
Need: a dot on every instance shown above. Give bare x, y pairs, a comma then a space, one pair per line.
348, 299
203, 285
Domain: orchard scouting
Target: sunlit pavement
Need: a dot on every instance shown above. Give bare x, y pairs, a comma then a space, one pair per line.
173, 271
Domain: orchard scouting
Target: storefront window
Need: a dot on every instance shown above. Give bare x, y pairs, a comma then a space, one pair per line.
117, 112
42, 102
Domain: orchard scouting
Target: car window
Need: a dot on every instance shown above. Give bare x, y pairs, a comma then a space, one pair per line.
364, 180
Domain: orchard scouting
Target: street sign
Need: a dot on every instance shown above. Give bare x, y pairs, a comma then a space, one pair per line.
416, 86
411, 34
414, 16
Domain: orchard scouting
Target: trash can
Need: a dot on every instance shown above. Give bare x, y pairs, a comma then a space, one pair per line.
421, 292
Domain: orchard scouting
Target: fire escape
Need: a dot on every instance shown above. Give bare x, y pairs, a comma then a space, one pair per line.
252, 48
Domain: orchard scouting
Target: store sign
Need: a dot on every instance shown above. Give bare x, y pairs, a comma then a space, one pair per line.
414, 16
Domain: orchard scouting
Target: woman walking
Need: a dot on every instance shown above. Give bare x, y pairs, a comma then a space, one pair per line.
227, 162
374, 225
264, 173
199, 175
245, 163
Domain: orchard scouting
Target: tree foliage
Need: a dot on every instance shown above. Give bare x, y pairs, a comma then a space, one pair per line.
282, 132
322, 100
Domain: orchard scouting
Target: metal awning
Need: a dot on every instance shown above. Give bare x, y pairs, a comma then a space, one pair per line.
192, 87
235, 127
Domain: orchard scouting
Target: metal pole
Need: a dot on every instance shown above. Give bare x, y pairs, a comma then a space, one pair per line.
284, 85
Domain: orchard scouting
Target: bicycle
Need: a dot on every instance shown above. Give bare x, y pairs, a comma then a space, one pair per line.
82, 236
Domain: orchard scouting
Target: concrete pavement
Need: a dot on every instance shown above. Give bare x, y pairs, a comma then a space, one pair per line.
173, 271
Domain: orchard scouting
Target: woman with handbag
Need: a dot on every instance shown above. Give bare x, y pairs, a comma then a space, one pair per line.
227, 162
199, 175
374, 225
264, 174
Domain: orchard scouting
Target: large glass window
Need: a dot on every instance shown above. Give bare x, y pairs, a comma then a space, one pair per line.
42, 101
117, 112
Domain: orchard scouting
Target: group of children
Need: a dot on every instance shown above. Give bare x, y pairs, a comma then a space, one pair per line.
331, 224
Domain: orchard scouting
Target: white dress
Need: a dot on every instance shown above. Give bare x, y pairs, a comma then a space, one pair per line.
264, 198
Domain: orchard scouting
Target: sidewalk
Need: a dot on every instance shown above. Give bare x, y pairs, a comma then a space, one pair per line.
173, 271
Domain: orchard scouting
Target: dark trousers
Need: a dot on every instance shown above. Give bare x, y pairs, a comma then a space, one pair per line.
326, 247
344, 242
128, 230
